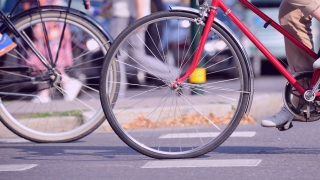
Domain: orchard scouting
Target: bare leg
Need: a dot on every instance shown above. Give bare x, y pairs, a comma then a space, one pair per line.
316, 14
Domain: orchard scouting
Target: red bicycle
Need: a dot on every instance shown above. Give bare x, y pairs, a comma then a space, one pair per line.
162, 120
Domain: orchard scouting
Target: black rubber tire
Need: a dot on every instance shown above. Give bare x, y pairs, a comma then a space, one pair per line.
87, 128
197, 151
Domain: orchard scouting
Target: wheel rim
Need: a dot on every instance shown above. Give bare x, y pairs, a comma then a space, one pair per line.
163, 122
59, 120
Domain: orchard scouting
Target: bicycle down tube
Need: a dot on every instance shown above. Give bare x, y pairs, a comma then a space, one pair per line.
212, 14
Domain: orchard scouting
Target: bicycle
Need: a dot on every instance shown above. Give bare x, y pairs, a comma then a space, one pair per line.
163, 121
76, 59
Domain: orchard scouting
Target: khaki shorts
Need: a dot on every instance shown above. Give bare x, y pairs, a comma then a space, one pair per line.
294, 17
306, 6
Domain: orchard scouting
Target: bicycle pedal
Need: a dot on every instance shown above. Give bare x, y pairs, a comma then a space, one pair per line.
283, 128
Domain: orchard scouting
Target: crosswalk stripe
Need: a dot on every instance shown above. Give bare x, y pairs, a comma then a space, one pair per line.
206, 134
17, 167
203, 163
13, 140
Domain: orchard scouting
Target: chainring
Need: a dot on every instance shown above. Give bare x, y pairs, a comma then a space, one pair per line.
295, 103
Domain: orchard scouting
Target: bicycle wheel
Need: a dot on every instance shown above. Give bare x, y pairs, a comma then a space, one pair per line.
191, 119
69, 107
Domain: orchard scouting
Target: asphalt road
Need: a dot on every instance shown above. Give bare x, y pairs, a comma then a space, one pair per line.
269, 154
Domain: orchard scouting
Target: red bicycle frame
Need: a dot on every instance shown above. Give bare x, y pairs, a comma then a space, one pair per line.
212, 14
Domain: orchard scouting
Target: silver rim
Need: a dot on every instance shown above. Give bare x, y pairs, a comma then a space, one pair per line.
58, 119
168, 121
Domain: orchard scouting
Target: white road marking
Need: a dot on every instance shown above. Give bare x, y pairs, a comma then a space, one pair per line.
17, 167
206, 134
13, 140
203, 163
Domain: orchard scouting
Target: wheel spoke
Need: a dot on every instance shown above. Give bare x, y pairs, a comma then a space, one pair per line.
66, 105
163, 119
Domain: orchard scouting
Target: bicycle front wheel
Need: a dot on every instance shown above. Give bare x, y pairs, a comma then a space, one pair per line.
69, 107
192, 118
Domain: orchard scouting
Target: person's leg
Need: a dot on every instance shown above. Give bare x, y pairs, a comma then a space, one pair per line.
151, 64
298, 24
117, 25
294, 16
308, 9
316, 14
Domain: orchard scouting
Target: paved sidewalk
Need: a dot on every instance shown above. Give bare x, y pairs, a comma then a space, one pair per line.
267, 100
264, 104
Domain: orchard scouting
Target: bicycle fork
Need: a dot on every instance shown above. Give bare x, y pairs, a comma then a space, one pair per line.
196, 58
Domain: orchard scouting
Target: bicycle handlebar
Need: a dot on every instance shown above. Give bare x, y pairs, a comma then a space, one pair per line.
86, 4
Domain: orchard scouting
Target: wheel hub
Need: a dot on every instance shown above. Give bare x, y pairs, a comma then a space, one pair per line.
177, 88
54, 77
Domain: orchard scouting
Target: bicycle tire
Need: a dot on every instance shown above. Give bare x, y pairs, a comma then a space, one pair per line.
60, 120
145, 128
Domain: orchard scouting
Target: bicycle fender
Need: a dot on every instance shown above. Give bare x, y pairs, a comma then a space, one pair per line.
237, 41
62, 9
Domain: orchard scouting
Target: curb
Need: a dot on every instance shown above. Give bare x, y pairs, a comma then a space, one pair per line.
263, 105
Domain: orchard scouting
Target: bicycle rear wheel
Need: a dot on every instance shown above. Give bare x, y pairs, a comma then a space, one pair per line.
68, 108
192, 118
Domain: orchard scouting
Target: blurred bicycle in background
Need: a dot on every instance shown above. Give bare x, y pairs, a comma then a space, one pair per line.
47, 89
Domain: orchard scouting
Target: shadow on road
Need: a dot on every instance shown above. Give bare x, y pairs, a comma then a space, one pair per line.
76, 153
264, 150
29, 151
